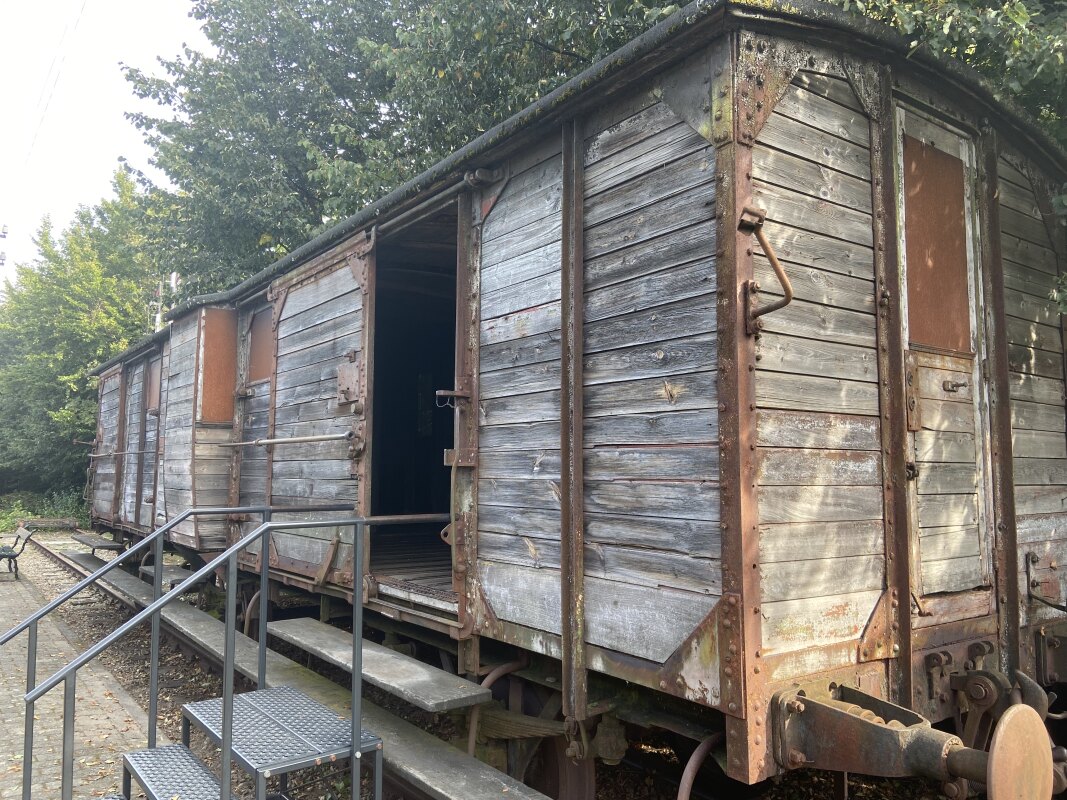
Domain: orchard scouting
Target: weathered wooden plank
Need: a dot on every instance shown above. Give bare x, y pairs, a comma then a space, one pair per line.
517, 352
302, 412
818, 504
817, 285
678, 211
1031, 388
792, 354
679, 500
814, 321
675, 393
807, 430
686, 241
312, 373
632, 565
802, 541
318, 489
932, 384
952, 575
658, 360
812, 393
510, 409
1018, 199
811, 214
1040, 499
1038, 257
794, 467
700, 538
1008, 172
1032, 334
1039, 471
533, 292
947, 415
526, 379
1040, 528
657, 622
1035, 362
1025, 279
954, 543
1025, 306
523, 240
523, 436
814, 179
693, 315
628, 130
947, 479
528, 322
1023, 226
694, 463
527, 199
823, 577
662, 146
657, 289
665, 178
825, 115
521, 268
944, 447
325, 287
810, 623
829, 86
940, 510
1037, 416
344, 327
673, 427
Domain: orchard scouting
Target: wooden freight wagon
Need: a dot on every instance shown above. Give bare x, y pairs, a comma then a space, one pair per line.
739, 351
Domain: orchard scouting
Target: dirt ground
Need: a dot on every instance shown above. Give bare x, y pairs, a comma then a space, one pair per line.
649, 772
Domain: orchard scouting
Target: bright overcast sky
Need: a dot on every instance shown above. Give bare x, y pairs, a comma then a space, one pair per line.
62, 99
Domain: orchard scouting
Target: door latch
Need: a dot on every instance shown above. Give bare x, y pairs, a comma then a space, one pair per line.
911, 470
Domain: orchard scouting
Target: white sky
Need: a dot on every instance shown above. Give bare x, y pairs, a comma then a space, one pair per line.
62, 99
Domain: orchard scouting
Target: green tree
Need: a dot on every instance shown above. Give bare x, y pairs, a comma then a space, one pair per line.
86, 298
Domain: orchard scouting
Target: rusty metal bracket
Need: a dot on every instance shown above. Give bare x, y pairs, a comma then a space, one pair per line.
1042, 581
751, 222
731, 671
327, 561
875, 643
765, 68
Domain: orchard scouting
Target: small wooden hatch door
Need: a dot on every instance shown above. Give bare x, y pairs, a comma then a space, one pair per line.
949, 491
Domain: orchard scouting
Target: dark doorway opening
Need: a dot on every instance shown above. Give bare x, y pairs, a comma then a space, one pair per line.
414, 356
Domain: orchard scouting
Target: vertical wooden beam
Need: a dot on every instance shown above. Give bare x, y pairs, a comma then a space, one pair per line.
572, 484
120, 446
368, 251
891, 385
142, 439
1005, 553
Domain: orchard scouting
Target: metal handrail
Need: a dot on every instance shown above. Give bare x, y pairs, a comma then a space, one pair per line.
67, 675
320, 437
156, 538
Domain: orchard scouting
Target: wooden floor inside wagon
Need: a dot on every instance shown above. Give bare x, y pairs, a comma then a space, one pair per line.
418, 574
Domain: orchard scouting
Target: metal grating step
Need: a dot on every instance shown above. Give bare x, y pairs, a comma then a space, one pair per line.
427, 687
171, 771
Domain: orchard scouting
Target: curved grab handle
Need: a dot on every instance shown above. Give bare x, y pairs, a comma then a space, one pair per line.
751, 221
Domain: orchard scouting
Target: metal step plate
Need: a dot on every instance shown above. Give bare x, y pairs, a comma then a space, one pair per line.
172, 771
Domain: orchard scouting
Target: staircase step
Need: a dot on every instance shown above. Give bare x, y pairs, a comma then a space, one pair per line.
279, 726
427, 687
172, 771
172, 575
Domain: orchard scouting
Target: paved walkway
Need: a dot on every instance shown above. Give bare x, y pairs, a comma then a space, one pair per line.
107, 723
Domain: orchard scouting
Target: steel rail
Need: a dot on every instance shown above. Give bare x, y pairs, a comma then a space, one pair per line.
323, 437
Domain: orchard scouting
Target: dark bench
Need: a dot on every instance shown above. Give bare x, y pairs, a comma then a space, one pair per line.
11, 553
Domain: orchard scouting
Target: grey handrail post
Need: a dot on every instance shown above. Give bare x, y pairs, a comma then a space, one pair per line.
358, 532
153, 689
69, 690
27, 728
264, 601
227, 673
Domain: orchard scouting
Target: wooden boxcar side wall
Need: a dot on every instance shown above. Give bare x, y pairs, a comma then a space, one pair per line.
822, 549
319, 314
178, 428
132, 457
159, 507
650, 434
1036, 383
107, 441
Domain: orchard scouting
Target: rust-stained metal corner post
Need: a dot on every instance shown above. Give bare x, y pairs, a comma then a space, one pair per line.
572, 485
741, 676
1005, 554
465, 440
891, 383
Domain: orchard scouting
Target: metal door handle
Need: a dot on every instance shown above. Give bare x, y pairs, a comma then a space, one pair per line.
751, 221
953, 386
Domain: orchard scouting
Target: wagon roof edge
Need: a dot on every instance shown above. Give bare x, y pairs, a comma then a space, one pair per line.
691, 20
